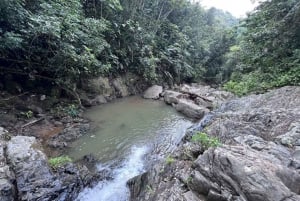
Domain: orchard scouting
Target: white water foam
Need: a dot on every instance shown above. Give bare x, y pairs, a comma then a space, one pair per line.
116, 189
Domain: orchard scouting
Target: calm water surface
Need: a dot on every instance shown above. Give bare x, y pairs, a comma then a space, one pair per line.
127, 130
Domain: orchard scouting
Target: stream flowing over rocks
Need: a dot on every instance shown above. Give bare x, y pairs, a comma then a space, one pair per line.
259, 159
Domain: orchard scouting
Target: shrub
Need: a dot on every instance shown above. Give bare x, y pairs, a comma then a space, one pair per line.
72, 110
170, 160
205, 140
59, 161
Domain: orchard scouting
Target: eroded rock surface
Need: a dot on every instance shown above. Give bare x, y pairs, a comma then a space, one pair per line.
26, 175
259, 159
33, 175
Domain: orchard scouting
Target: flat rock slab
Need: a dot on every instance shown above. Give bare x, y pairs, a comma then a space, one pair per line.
153, 92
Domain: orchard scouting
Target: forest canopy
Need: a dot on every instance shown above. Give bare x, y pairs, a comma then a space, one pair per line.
172, 41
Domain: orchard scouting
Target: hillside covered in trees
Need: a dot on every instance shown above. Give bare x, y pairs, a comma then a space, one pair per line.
60, 42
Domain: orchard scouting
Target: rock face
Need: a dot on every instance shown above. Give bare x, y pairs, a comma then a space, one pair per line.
26, 175
33, 176
100, 90
120, 87
153, 92
7, 189
258, 161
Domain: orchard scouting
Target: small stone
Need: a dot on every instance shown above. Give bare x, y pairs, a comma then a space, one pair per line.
43, 97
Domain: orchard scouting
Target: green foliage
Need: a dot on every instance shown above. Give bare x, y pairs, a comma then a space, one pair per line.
72, 110
205, 140
59, 161
28, 114
61, 42
170, 160
268, 53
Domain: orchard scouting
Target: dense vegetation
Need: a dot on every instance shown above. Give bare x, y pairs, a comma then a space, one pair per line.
63, 41
267, 53
59, 42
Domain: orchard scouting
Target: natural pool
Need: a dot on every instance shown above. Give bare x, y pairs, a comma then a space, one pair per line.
129, 132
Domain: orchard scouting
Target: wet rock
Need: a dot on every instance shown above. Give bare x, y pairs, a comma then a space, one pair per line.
34, 178
190, 109
153, 92
120, 87
70, 133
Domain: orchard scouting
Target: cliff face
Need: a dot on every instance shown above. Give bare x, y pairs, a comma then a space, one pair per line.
259, 159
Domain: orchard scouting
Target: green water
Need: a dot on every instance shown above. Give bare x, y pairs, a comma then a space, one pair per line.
129, 122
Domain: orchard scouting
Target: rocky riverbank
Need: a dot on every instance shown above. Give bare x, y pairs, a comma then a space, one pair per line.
258, 159
36, 127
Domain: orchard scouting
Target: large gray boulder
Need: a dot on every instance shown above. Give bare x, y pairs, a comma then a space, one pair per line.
190, 109
153, 92
34, 178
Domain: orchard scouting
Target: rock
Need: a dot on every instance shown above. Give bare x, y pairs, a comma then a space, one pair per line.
120, 87
69, 134
7, 188
248, 174
153, 92
2, 131
100, 99
171, 97
190, 109
258, 161
43, 97
190, 196
204, 103
292, 137
34, 178
99, 85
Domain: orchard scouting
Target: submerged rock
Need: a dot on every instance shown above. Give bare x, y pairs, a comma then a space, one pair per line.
153, 92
